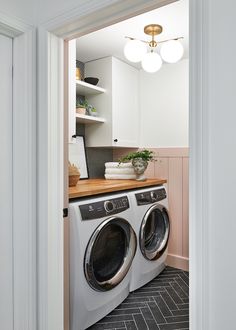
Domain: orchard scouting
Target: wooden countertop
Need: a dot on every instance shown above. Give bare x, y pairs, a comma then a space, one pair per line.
92, 187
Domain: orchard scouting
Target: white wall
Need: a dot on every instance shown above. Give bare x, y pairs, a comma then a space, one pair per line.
38, 12
164, 106
221, 96
47, 9
21, 9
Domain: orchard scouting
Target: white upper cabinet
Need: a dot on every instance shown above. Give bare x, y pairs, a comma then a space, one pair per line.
118, 104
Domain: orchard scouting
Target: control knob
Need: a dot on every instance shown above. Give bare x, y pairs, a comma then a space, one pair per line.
154, 196
109, 206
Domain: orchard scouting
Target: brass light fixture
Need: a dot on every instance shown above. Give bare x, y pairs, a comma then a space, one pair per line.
136, 50
152, 30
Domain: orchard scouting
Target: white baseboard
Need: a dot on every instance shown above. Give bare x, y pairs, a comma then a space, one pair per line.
177, 261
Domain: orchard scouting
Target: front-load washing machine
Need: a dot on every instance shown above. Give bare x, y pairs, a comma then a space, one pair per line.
152, 227
102, 248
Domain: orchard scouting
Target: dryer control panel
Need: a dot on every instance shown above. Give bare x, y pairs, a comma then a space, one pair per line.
149, 197
96, 210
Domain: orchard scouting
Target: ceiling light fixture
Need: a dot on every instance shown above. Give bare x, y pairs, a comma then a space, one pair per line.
136, 51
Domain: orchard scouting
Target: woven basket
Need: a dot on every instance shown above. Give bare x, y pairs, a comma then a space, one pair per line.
73, 179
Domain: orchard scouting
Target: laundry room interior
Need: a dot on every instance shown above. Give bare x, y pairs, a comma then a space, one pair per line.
119, 107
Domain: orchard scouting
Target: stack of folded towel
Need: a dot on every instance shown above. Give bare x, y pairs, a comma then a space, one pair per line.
115, 170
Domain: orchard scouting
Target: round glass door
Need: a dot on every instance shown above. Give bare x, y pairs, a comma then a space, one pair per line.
109, 254
154, 232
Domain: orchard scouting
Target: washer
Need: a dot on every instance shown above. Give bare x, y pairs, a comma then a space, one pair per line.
152, 227
102, 248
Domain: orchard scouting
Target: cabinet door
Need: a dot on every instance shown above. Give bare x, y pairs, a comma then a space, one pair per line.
125, 105
118, 105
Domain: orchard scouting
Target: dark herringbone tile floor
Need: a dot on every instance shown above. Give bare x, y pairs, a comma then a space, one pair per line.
162, 304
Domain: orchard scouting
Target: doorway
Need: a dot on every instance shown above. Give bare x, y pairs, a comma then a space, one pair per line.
67, 28
171, 163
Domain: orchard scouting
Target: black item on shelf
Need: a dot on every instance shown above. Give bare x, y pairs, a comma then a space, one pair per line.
91, 80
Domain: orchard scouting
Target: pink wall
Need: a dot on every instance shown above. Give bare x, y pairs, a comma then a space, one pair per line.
172, 164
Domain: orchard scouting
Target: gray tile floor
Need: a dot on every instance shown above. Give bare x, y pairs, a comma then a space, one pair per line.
162, 304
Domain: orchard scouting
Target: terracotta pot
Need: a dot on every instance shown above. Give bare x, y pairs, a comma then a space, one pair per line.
81, 111
73, 179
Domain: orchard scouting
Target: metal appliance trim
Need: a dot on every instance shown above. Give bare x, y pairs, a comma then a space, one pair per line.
128, 258
155, 254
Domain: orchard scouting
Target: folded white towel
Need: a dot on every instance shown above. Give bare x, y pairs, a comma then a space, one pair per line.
118, 170
118, 165
120, 177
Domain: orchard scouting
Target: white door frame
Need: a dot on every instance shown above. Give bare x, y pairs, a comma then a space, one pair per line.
24, 171
81, 20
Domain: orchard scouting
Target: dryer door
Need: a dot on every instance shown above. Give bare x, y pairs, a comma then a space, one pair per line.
154, 232
109, 253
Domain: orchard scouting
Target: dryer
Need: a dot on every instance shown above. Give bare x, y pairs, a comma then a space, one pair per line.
102, 248
152, 227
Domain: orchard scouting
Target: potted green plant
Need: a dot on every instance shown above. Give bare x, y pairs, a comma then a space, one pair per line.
81, 106
139, 160
92, 110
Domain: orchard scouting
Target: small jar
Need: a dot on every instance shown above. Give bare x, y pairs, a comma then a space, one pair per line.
78, 74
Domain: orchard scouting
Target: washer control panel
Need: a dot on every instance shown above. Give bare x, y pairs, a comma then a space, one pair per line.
149, 197
96, 210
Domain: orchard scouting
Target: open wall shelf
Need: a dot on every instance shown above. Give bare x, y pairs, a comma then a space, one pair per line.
84, 119
83, 88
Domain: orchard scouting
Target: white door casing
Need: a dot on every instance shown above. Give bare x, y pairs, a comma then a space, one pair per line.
83, 19
50, 189
86, 18
6, 248
19, 129
74, 23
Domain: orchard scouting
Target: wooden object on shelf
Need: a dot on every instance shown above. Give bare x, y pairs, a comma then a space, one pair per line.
74, 175
73, 179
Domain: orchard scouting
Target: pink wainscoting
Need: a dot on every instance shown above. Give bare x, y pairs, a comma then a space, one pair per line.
172, 164
185, 208
175, 199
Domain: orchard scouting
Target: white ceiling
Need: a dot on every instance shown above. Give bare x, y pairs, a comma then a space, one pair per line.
111, 40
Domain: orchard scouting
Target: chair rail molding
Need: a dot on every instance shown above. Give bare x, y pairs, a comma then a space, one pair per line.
24, 170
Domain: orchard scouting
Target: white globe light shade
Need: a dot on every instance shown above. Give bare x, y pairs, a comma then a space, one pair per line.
134, 50
172, 51
151, 62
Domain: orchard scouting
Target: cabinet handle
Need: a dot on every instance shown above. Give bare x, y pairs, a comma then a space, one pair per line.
73, 136
115, 140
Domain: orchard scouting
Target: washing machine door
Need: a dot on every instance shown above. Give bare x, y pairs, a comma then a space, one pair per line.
109, 253
154, 232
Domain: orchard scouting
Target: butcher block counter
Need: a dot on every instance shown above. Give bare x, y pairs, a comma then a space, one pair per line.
93, 187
